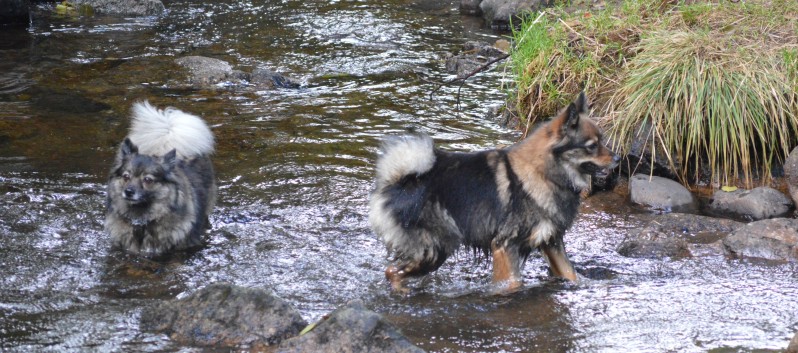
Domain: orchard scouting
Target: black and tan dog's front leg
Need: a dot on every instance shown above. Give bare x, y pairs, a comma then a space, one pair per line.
506, 267
554, 252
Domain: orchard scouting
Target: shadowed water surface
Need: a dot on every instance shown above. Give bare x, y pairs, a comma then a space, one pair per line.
295, 169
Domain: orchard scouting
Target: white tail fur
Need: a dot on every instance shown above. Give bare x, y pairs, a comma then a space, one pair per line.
156, 132
404, 155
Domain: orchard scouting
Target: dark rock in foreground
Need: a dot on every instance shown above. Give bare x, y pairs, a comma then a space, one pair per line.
772, 239
225, 315
14, 12
678, 235
351, 329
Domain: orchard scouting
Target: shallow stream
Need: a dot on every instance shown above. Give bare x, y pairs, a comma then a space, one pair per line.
295, 169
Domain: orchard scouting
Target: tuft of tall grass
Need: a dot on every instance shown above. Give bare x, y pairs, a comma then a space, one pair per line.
701, 83
705, 101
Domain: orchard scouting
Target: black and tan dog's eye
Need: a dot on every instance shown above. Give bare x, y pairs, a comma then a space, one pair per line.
148, 180
126, 176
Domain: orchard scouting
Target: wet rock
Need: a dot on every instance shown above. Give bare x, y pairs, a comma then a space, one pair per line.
15, 12
204, 71
124, 7
772, 239
660, 193
351, 328
474, 55
470, 7
758, 203
678, 235
225, 315
270, 79
499, 13
791, 173
793, 346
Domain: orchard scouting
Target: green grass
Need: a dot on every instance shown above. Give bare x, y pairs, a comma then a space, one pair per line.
709, 84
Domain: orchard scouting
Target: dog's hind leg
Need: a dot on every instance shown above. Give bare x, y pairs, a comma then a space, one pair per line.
506, 267
554, 252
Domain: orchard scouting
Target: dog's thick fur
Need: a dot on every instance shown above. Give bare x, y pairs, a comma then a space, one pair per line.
507, 202
162, 187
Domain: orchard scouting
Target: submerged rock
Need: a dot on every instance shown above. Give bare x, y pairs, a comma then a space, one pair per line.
791, 173
204, 72
678, 235
351, 328
15, 12
473, 56
660, 193
270, 79
124, 7
225, 315
772, 239
756, 204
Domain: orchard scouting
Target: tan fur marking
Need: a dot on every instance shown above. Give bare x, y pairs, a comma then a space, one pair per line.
502, 181
505, 270
528, 160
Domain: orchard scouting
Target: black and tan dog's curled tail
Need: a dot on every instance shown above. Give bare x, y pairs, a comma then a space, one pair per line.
402, 156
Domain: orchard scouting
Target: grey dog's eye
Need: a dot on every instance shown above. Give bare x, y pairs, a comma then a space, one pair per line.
126, 176
148, 180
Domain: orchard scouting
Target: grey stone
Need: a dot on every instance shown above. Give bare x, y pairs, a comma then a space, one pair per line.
124, 7
350, 329
791, 173
755, 204
225, 315
499, 13
772, 239
204, 71
660, 193
473, 56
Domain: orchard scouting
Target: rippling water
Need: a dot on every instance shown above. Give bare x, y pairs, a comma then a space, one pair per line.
295, 167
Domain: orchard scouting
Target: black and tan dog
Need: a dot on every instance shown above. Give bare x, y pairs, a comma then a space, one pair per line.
428, 202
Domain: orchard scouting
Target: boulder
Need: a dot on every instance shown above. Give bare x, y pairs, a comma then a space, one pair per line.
772, 239
751, 205
204, 71
498, 14
124, 7
350, 329
225, 315
678, 235
660, 193
791, 174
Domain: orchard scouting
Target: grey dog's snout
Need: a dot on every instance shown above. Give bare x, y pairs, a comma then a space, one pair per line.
130, 192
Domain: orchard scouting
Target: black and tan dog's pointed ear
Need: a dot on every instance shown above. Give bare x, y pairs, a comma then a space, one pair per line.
574, 112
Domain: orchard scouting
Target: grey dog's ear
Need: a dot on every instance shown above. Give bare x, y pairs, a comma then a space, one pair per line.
170, 160
126, 149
